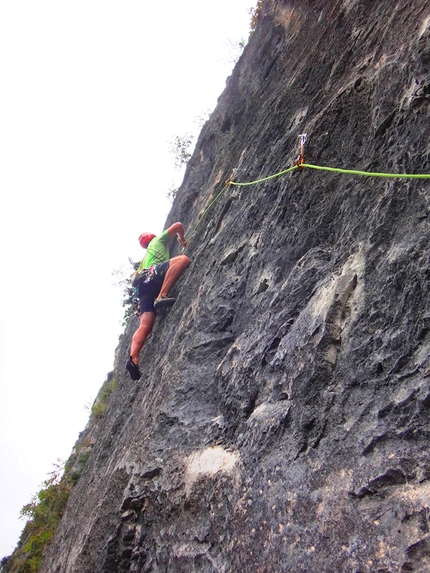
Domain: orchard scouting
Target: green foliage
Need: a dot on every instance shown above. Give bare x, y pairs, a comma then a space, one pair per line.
171, 193
122, 280
43, 514
98, 410
202, 117
100, 405
77, 461
234, 49
180, 147
129, 310
44, 511
255, 13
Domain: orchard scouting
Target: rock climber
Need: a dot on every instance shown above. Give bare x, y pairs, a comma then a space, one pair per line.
155, 285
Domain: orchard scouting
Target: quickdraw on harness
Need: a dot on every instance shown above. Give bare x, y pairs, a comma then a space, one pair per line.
143, 276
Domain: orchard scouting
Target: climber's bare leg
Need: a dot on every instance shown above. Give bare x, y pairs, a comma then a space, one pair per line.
147, 321
176, 268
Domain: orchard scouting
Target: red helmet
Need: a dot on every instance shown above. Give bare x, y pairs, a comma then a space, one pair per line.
144, 239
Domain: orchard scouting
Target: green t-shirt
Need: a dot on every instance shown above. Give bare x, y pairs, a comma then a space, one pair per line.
157, 251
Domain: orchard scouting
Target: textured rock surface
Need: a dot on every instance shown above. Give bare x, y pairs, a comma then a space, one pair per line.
283, 420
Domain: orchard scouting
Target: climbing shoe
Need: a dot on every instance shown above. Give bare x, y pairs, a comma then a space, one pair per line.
164, 302
133, 369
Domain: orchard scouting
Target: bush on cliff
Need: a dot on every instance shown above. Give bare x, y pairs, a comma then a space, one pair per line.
43, 514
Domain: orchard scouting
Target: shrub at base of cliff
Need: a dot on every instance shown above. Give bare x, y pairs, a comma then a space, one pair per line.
43, 514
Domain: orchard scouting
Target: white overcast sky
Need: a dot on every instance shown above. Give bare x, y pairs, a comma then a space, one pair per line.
91, 93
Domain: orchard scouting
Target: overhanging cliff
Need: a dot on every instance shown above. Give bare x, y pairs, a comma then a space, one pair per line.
283, 418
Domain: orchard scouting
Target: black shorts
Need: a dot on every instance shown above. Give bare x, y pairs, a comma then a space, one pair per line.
149, 288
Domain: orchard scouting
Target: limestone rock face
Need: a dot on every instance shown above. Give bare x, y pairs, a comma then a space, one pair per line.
282, 422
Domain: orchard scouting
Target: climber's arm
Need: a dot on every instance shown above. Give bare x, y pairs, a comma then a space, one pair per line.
178, 230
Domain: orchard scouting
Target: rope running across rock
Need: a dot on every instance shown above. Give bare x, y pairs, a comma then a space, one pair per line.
299, 165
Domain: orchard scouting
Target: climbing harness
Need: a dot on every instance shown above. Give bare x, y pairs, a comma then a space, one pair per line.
144, 276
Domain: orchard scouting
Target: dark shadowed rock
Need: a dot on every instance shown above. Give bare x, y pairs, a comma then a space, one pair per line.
282, 423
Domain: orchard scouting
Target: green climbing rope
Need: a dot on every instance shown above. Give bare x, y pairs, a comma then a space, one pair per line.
333, 169
370, 173
265, 178
206, 210
338, 170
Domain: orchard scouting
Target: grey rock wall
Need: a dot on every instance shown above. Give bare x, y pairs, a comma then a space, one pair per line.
282, 423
